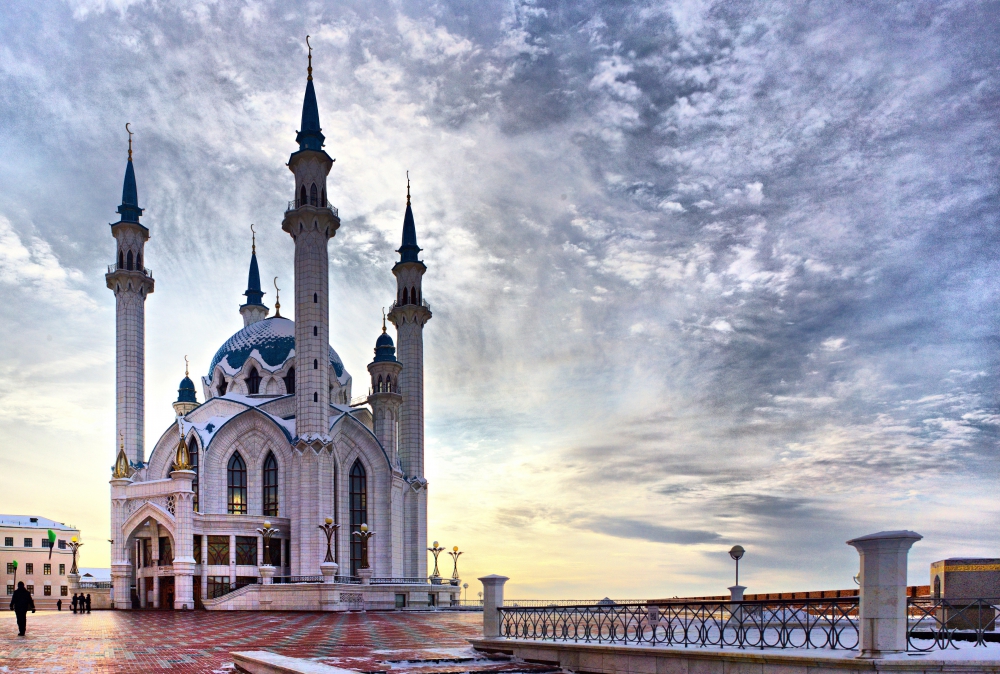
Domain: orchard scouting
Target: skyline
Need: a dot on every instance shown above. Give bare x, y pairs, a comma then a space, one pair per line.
702, 273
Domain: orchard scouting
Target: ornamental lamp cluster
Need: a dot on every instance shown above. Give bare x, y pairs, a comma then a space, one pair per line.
454, 553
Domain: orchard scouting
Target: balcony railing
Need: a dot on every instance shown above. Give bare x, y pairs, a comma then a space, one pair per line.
940, 623
112, 268
399, 581
812, 623
298, 203
422, 303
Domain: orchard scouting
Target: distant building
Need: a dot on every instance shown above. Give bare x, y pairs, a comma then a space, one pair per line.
277, 437
24, 539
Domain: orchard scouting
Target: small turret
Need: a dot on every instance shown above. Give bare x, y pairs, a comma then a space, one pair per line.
187, 398
384, 397
254, 309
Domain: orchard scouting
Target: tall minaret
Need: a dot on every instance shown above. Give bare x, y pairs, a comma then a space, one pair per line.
385, 398
409, 314
254, 310
131, 283
311, 222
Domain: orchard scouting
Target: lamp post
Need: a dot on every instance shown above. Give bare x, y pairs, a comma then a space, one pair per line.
455, 554
435, 550
329, 565
267, 569
364, 568
465, 586
736, 591
329, 528
74, 545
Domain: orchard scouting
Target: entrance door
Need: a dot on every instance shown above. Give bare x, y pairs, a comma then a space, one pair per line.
167, 592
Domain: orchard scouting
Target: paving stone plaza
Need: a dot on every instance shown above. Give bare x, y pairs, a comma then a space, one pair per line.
200, 641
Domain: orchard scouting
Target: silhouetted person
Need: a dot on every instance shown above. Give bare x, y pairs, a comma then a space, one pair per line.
75, 600
88, 603
58, 604
20, 603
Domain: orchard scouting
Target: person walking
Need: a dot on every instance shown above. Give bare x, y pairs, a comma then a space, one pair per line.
88, 603
58, 604
74, 602
20, 603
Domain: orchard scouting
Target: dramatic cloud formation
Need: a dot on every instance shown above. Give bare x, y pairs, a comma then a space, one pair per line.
702, 273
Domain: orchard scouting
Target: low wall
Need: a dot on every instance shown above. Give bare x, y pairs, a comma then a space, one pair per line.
328, 597
100, 599
911, 591
606, 659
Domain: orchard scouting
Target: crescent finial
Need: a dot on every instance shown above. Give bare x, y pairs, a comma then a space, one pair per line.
407, 188
129, 140
310, 58
253, 233
277, 299
186, 373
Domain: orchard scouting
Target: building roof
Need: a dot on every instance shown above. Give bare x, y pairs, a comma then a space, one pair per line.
129, 208
409, 251
33, 522
253, 292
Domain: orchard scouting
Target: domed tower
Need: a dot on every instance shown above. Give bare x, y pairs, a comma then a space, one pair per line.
384, 397
131, 283
187, 398
312, 222
254, 309
409, 314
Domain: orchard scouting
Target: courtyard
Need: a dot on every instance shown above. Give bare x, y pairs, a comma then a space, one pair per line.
201, 641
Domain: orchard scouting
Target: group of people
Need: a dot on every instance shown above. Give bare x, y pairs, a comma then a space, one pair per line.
81, 604
21, 602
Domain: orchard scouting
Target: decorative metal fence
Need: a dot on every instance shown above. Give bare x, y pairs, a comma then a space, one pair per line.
940, 623
807, 623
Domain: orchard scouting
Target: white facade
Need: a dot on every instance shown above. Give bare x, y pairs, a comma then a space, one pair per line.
24, 539
276, 439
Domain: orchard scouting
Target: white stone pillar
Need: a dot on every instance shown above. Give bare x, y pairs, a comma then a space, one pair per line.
204, 567
736, 592
882, 608
492, 600
232, 561
184, 560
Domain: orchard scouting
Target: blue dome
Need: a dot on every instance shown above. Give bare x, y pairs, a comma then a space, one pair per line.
273, 339
186, 393
385, 350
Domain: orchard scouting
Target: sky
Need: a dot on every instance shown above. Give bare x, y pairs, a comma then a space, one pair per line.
701, 273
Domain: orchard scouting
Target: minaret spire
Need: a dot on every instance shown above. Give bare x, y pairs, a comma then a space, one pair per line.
254, 309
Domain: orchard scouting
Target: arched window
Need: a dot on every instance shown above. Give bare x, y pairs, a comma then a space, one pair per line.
388, 385
121, 260
323, 203
315, 397
128, 261
378, 387
359, 511
253, 382
315, 298
302, 196
315, 364
270, 485
290, 381
404, 296
221, 388
315, 331
138, 261
236, 482
413, 296
193, 453
937, 587
313, 196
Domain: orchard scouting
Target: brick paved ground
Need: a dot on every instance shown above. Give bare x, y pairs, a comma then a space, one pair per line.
200, 641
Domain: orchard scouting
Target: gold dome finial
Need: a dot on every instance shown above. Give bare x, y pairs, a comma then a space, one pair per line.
277, 299
121, 469
182, 459
310, 59
186, 373
253, 234
383, 320
129, 140
407, 188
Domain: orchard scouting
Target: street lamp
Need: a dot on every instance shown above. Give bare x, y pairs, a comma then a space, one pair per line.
364, 535
455, 554
737, 553
435, 550
266, 532
329, 528
74, 545
465, 586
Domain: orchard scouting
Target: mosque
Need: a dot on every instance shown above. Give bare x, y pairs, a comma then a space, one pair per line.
275, 446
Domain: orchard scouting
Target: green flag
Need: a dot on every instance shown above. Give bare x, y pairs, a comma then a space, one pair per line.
52, 542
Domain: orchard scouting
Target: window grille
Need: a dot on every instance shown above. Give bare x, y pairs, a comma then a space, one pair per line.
359, 511
246, 550
236, 480
271, 486
218, 551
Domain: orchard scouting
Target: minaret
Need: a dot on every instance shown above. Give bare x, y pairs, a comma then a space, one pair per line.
409, 314
254, 310
187, 399
384, 397
311, 222
131, 283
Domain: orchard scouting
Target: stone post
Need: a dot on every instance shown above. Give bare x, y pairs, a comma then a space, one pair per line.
492, 600
366, 576
882, 607
184, 560
329, 571
121, 567
266, 574
736, 592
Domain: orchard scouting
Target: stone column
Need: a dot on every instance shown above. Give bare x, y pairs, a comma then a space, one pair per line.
121, 567
204, 567
232, 561
184, 560
736, 592
882, 608
492, 600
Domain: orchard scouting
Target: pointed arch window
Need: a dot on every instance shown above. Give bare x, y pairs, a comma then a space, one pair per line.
253, 382
121, 260
413, 296
236, 484
315, 364
138, 262
290, 381
128, 261
359, 511
271, 485
302, 196
378, 386
323, 198
404, 296
221, 388
313, 195
193, 453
